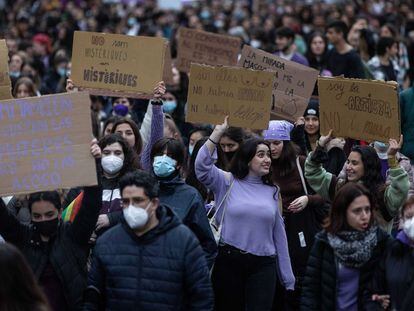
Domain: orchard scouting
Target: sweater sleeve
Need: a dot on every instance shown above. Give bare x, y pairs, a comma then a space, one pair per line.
283, 259
157, 132
318, 178
396, 192
145, 129
208, 174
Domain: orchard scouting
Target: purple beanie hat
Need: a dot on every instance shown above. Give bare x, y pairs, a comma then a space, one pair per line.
278, 130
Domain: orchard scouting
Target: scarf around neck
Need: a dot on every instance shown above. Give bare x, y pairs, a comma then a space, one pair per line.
353, 248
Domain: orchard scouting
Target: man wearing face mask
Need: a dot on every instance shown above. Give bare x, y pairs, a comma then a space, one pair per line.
150, 261
57, 252
393, 280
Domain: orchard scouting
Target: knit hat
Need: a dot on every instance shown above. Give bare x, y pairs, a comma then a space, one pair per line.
312, 109
278, 130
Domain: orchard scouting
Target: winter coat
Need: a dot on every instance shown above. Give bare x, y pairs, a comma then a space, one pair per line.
300, 227
407, 122
164, 269
188, 205
68, 249
319, 292
390, 199
393, 276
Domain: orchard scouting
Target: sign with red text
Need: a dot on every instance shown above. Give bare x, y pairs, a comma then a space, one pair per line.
359, 109
201, 47
293, 83
117, 65
5, 84
242, 94
45, 143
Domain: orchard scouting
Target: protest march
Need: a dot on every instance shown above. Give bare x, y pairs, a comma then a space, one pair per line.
235, 155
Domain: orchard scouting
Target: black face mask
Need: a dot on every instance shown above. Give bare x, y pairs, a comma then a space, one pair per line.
230, 155
47, 227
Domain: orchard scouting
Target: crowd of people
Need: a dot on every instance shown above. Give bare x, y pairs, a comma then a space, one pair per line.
192, 216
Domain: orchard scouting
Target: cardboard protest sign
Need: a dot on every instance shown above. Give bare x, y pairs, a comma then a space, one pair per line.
201, 47
117, 65
359, 109
244, 95
293, 83
5, 84
45, 143
167, 74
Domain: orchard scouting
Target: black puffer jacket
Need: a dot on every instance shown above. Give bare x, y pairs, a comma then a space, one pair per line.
67, 251
164, 269
188, 205
320, 282
393, 276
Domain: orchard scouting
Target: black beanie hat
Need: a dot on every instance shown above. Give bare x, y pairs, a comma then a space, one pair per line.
312, 109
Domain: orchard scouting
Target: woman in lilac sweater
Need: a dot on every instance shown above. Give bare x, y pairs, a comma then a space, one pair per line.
253, 249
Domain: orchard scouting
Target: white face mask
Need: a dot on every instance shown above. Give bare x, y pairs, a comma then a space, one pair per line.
112, 164
136, 217
409, 228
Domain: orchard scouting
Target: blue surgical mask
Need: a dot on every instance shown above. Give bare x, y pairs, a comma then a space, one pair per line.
61, 72
121, 110
14, 74
169, 106
163, 166
190, 149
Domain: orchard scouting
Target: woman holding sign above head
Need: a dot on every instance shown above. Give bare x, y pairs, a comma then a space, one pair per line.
307, 132
362, 166
252, 248
56, 251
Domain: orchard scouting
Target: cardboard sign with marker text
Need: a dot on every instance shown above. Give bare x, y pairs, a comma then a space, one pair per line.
359, 109
117, 65
293, 83
45, 143
5, 84
244, 95
168, 74
201, 47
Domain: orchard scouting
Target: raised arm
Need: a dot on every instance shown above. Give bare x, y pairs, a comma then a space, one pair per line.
10, 228
157, 125
207, 173
397, 191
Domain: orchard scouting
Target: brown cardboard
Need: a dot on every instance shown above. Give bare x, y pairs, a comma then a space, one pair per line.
45, 143
117, 64
293, 85
201, 47
5, 84
243, 94
359, 109
167, 74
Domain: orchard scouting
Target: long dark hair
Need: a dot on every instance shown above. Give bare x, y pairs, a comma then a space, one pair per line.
192, 179
287, 160
130, 158
138, 139
319, 64
372, 178
344, 197
19, 291
234, 133
247, 151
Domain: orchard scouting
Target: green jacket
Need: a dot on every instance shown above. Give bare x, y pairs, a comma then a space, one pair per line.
395, 193
407, 122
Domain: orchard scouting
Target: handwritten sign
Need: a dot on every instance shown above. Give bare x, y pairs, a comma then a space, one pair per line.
293, 83
45, 143
117, 65
244, 95
5, 84
168, 74
201, 47
359, 109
